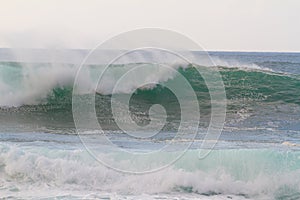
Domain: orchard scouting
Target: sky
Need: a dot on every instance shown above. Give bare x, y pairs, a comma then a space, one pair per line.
221, 25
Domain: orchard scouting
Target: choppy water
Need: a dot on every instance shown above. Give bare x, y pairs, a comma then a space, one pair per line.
256, 157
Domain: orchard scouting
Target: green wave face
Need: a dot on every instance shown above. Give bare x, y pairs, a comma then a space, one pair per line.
240, 84
261, 86
246, 85
47, 90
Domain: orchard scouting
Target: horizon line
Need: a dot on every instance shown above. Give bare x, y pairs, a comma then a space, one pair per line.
209, 50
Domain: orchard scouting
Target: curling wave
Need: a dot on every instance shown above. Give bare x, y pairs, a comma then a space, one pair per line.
33, 84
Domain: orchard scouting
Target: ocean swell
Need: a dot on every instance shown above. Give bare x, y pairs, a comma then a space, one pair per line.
34, 84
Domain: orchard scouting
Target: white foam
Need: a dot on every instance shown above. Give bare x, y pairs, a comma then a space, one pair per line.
37, 83
46, 169
236, 64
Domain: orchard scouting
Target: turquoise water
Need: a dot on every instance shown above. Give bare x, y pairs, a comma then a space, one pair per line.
257, 155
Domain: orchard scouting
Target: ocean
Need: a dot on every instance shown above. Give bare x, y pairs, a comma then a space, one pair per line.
45, 155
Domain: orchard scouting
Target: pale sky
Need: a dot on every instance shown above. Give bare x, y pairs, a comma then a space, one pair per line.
231, 25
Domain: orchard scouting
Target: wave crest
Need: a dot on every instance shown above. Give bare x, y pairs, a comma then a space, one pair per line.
33, 84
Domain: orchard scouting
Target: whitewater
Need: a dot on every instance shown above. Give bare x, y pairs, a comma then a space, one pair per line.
256, 157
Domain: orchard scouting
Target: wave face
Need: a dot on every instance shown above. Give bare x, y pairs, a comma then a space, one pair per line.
44, 90
33, 84
24, 84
